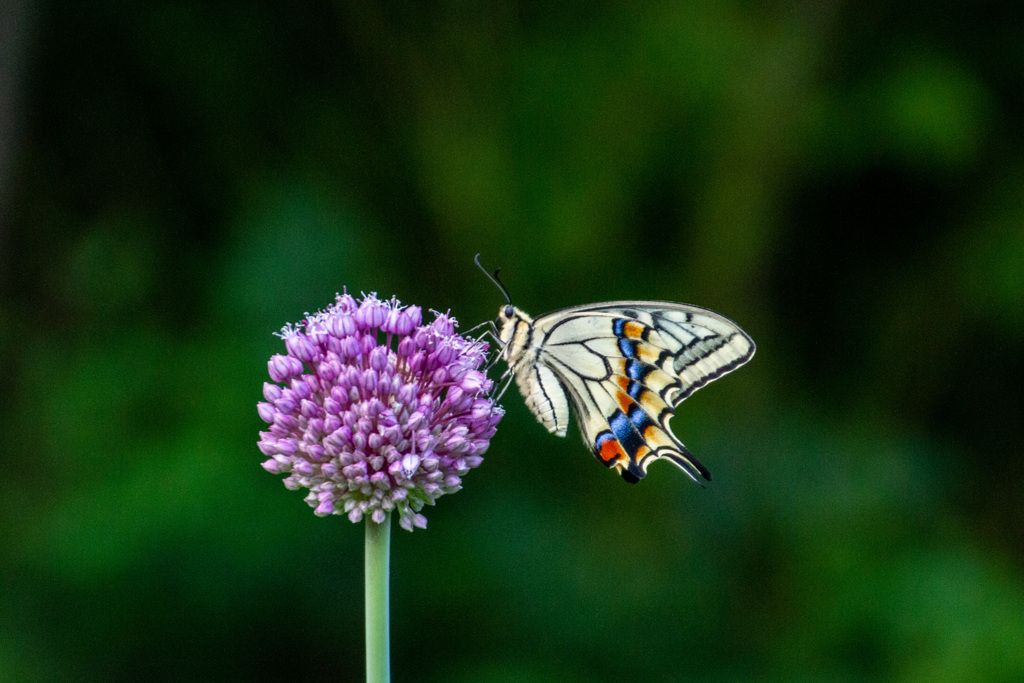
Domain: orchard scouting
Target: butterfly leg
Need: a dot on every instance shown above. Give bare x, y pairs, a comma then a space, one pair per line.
477, 327
507, 376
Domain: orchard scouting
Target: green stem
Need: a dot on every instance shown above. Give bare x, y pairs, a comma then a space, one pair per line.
378, 551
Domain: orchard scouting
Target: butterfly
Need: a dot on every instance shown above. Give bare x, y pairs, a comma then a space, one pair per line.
625, 366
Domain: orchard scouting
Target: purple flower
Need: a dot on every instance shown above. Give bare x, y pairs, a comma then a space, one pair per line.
372, 410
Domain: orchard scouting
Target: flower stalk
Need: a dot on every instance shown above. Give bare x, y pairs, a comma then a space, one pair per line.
377, 570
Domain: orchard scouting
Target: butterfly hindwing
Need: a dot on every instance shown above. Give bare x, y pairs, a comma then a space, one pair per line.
545, 397
626, 366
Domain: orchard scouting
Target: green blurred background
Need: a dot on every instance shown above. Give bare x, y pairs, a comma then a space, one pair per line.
845, 180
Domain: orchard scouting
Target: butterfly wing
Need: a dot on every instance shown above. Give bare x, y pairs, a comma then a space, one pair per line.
545, 396
627, 365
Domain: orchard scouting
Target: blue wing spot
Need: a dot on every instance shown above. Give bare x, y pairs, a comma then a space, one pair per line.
628, 437
620, 425
627, 347
635, 390
636, 370
639, 419
619, 327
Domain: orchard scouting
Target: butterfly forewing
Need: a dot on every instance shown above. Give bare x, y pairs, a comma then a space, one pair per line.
625, 366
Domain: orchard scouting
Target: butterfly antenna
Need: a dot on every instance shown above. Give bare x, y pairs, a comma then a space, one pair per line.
493, 278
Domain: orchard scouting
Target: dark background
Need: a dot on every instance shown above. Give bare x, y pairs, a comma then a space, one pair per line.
845, 180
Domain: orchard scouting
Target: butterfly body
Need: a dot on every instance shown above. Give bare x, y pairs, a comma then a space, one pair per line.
624, 366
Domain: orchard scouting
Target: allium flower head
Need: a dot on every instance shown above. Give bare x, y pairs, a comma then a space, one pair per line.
372, 410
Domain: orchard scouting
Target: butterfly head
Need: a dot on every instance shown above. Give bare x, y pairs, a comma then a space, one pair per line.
513, 330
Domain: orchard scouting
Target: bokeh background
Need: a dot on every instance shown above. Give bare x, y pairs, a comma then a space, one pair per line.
845, 180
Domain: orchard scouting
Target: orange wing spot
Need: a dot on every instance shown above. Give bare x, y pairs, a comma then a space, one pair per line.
625, 402
648, 354
623, 382
611, 451
658, 438
633, 329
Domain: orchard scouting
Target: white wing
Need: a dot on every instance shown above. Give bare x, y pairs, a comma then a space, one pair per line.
544, 396
626, 366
